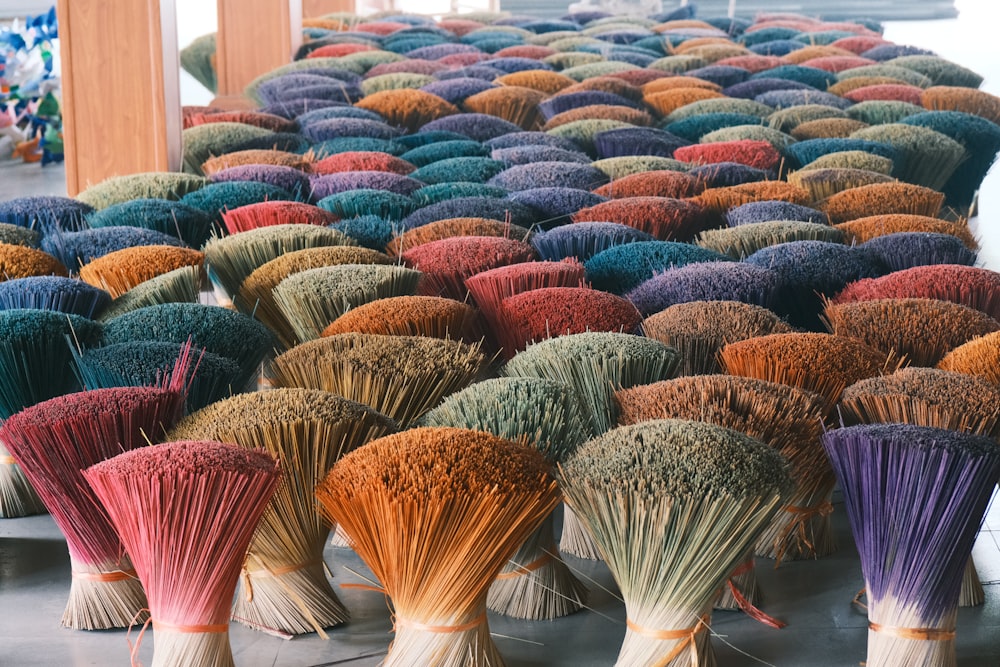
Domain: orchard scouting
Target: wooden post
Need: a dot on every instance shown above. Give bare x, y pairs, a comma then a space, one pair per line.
121, 90
254, 37
312, 9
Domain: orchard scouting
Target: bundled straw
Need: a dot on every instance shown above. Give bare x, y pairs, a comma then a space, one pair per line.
181, 285
436, 494
862, 230
19, 261
188, 551
120, 271
64, 295
664, 218
700, 329
448, 262
431, 316
284, 587
979, 357
543, 414
744, 240
55, 441
882, 198
673, 505
268, 213
400, 376
820, 363
894, 477
442, 229
310, 300
787, 419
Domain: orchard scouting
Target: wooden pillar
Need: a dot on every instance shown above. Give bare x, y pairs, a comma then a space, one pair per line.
254, 37
312, 9
121, 96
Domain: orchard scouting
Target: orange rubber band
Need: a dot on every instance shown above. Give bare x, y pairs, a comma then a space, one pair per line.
923, 634
116, 575
798, 524
8, 460
688, 636
443, 629
193, 629
743, 568
277, 572
521, 570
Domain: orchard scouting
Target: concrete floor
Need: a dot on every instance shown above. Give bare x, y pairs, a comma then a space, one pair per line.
814, 597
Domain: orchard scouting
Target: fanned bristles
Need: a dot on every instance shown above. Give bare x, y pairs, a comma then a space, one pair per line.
906, 250
749, 132
445, 264
967, 285
541, 80
880, 112
452, 227
626, 114
861, 230
673, 519
54, 442
967, 100
940, 71
217, 198
881, 199
187, 550
122, 270
476, 126
259, 119
181, 285
664, 218
284, 587
637, 141
310, 300
548, 312
824, 183
979, 357
665, 102
256, 295
516, 104
828, 128
744, 240
409, 315
74, 249
15, 235
893, 477
269, 213
930, 158
627, 165
672, 82
472, 206
758, 154
152, 185
63, 295
543, 414
657, 183
232, 258
852, 160
698, 330
898, 92
768, 211
287, 178
150, 363
920, 330
258, 156
707, 281
621, 268
400, 376
19, 261
187, 223
720, 200
462, 493
219, 330
202, 142
788, 119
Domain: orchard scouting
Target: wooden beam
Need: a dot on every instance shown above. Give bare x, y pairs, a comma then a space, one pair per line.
121, 90
312, 9
254, 37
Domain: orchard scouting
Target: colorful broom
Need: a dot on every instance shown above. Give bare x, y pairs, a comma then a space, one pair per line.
55, 441
445, 264
63, 295
400, 376
439, 602
977, 357
431, 316
787, 419
284, 588
122, 270
181, 285
188, 551
894, 477
673, 505
535, 583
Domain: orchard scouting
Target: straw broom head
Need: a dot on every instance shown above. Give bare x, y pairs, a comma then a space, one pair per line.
906, 250
54, 441
492, 496
400, 376
744, 240
284, 587
120, 271
63, 295
920, 330
447, 228
181, 285
664, 218
431, 316
979, 357
672, 486
268, 213
19, 261
241, 158
187, 552
448, 262
881, 199
862, 229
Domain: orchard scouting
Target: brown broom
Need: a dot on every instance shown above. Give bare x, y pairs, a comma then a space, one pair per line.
120, 271
979, 357
543, 414
450, 227
400, 376
516, 104
185, 512
698, 330
820, 363
859, 230
456, 503
882, 198
789, 420
431, 316
921, 330
283, 587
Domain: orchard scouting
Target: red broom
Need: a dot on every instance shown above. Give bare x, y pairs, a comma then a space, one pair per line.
757, 154
269, 213
448, 262
664, 218
185, 512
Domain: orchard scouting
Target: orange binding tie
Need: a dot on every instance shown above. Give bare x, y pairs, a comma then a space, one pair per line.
521, 570
443, 629
922, 634
689, 636
798, 524
116, 575
7, 460
747, 607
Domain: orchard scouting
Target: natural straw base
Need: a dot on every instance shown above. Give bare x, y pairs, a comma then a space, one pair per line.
796, 535
17, 498
204, 649
972, 594
886, 649
641, 649
104, 596
575, 540
291, 602
467, 648
340, 539
546, 590
745, 582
